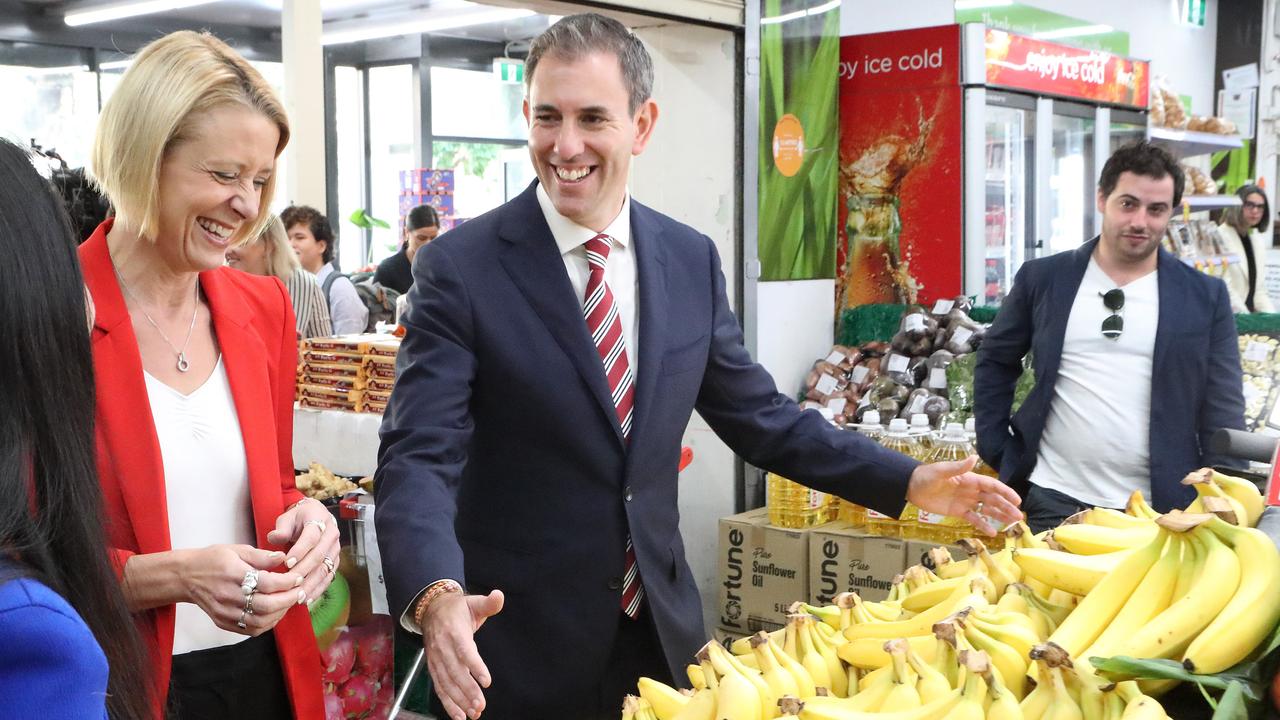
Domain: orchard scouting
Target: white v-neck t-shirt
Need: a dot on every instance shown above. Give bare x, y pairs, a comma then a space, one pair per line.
1096, 445
206, 486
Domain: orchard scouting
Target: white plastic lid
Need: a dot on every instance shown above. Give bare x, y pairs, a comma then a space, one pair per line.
955, 431
970, 425
871, 417
898, 425
919, 420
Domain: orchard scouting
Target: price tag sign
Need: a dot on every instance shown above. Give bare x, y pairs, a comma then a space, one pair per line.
836, 405
898, 363
859, 374
1257, 352
942, 307
826, 384
938, 378
961, 335
913, 323
836, 357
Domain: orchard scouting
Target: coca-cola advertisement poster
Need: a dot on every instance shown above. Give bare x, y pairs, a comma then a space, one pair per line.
900, 167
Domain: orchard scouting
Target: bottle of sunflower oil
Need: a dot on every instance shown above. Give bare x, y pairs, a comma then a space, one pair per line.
982, 468
897, 438
922, 432
792, 505
854, 513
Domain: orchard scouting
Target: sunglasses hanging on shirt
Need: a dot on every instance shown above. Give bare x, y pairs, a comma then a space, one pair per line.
1113, 325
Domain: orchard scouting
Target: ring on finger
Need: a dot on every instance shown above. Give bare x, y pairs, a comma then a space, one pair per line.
240, 623
328, 563
248, 604
320, 524
249, 584
978, 508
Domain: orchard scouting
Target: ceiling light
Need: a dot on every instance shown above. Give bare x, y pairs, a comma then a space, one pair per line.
117, 11
115, 65
788, 17
338, 33
981, 4
1074, 31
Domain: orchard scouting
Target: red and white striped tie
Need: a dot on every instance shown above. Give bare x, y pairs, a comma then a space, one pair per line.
605, 327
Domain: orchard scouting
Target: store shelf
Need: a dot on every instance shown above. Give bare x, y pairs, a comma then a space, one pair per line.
1188, 143
1201, 261
1210, 202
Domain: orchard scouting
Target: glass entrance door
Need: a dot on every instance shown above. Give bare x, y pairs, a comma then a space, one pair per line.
1008, 182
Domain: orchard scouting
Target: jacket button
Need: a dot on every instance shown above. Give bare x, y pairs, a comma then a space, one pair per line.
627, 496
615, 583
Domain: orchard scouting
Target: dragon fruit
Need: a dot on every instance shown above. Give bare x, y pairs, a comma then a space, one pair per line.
357, 695
339, 659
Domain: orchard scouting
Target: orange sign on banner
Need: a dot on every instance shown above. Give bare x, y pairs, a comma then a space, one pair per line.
788, 145
1018, 62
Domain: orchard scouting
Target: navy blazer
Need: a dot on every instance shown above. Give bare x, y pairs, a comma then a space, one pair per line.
503, 465
1196, 384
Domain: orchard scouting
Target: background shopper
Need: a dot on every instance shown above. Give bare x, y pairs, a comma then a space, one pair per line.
421, 226
312, 239
271, 255
195, 367
1246, 234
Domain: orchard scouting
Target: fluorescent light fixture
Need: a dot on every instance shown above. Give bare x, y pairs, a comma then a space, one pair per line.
117, 11
981, 4
423, 22
788, 17
115, 65
1074, 31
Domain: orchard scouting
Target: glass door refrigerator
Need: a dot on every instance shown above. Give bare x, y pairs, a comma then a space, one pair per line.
1040, 120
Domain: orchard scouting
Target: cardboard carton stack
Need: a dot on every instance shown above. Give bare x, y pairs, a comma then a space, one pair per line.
353, 373
425, 186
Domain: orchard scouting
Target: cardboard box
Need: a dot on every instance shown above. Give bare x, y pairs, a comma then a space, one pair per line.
843, 558
918, 549
763, 570
442, 203
426, 180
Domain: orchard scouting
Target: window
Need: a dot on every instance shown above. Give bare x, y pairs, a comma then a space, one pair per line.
57, 107
350, 136
468, 103
391, 103
485, 175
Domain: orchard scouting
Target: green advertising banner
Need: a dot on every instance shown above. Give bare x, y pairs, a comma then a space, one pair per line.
1045, 25
799, 137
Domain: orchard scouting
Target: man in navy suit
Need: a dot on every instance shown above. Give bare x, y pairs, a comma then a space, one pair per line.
555, 350
1135, 355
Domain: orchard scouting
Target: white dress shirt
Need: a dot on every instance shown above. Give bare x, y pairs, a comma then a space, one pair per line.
1096, 445
345, 307
619, 269
206, 482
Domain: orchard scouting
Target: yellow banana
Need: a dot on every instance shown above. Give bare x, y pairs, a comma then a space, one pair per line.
790, 707
702, 706
738, 699
1011, 666
1251, 613
869, 653
903, 695
1013, 601
780, 681
1139, 706
728, 665
665, 700
825, 708
1245, 492
932, 684
1003, 704
810, 658
1152, 596
1063, 706
874, 689
972, 595
1108, 517
1098, 539
804, 681
1114, 708
1013, 630
1138, 507
1002, 574
634, 708
1075, 573
926, 596
696, 680
835, 671
973, 694
1206, 487
1078, 631
829, 614
1169, 633
1034, 705
742, 646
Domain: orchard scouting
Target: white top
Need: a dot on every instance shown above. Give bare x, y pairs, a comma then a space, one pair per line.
349, 314
1236, 274
1096, 445
206, 485
619, 269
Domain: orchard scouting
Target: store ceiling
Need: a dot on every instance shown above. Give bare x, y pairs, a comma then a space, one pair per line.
251, 21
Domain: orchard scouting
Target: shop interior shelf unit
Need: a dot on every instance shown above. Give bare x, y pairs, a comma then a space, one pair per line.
1189, 143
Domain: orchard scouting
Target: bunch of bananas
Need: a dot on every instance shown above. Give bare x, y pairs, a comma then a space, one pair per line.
1008, 635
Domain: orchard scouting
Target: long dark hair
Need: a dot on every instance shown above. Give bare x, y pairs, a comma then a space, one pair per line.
51, 516
1234, 216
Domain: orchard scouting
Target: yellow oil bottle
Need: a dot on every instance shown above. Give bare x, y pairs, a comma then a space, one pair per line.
851, 512
898, 438
792, 505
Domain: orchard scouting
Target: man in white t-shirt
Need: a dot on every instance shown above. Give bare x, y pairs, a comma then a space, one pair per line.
1135, 356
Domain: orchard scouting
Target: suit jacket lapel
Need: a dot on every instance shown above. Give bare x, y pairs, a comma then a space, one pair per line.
533, 261
1062, 295
244, 356
1170, 302
125, 425
651, 272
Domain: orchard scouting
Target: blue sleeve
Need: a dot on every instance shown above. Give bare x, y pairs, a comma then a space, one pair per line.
741, 403
50, 663
998, 368
425, 432
1223, 405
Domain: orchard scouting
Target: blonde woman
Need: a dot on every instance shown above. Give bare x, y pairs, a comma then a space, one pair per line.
194, 362
271, 255
1245, 233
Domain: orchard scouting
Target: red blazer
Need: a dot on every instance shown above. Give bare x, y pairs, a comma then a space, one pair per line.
254, 323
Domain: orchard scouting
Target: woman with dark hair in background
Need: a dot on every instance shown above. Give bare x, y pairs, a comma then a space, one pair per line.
420, 227
67, 644
1245, 233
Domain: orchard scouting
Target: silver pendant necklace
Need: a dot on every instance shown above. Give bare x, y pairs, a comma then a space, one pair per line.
183, 365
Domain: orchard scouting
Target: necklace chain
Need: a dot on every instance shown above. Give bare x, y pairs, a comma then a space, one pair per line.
183, 365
